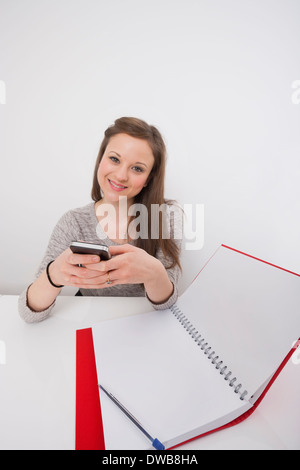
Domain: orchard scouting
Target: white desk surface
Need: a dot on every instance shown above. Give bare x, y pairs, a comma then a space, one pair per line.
37, 382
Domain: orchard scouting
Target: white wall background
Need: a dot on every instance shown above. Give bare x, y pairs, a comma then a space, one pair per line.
214, 75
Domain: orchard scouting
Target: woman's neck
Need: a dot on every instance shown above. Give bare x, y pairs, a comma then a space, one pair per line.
113, 218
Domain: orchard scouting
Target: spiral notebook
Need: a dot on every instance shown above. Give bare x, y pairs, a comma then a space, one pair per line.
197, 367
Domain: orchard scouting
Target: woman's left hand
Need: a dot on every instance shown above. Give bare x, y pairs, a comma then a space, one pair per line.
128, 265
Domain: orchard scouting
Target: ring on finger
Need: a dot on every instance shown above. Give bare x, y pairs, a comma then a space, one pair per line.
108, 281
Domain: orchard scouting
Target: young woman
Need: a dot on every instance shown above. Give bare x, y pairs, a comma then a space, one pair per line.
128, 185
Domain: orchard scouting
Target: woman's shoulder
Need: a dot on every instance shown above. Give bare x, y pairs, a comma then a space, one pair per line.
84, 215
80, 212
173, 219
174, 210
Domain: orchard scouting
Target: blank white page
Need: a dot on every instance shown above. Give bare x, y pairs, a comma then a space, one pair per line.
161, 376
248, 311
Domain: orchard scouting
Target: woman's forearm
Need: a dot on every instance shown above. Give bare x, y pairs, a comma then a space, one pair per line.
41, 294
159, 288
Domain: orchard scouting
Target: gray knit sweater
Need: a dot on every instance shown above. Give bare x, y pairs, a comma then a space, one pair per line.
82, 224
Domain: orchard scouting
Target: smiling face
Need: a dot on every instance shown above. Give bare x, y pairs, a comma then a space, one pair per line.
124, 168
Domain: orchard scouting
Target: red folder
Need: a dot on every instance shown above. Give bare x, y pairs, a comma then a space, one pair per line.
89, 427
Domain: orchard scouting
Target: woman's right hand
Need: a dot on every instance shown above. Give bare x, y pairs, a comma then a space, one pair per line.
65, 270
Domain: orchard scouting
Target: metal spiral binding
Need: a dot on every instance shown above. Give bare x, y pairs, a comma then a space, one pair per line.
211, 355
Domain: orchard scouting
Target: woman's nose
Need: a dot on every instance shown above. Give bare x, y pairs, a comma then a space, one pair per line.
122, 173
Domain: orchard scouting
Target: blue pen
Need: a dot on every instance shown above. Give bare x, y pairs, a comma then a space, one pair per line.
154, 441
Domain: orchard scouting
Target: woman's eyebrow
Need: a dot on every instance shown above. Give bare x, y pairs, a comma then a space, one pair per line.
141, 163
112, 151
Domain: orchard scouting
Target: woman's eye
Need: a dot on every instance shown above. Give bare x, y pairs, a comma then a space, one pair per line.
114, 159
138, 169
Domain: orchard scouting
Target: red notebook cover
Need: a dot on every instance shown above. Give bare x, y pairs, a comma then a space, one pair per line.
89, 427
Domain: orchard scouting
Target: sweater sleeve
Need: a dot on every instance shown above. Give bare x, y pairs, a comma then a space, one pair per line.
65, 231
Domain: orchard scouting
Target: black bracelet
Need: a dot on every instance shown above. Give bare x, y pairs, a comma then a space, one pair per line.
49, 278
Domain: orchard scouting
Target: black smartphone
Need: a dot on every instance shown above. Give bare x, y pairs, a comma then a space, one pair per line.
84, 248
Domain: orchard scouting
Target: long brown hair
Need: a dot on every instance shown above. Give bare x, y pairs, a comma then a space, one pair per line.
153, 193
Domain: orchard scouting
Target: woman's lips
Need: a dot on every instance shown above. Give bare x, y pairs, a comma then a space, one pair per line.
116, 186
